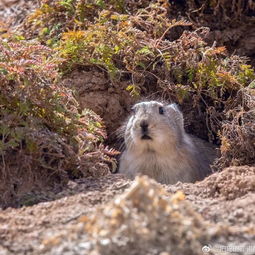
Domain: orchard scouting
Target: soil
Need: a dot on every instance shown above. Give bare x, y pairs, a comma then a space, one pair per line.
225, 214
97, 92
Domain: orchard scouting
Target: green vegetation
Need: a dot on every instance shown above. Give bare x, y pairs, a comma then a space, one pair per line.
98, 33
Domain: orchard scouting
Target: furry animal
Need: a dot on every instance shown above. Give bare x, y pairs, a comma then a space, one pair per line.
158, 146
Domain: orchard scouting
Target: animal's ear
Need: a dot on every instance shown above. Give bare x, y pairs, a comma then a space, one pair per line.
173, 107
175, 113
133, 109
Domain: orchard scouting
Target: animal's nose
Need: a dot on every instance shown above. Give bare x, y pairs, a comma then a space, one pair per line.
144, 126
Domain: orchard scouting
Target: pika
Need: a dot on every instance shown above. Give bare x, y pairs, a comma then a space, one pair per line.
157, 145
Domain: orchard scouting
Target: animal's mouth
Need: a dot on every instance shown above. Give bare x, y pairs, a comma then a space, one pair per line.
146, 137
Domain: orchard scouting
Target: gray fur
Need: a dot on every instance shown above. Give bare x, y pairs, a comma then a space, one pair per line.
170, 155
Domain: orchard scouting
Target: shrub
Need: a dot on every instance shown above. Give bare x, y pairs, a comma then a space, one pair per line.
238, 132
44, 134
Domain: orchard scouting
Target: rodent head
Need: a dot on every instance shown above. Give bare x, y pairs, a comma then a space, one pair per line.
154, 126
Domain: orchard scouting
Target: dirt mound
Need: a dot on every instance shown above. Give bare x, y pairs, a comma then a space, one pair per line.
84, 219
145, 221
230, 183
23, 230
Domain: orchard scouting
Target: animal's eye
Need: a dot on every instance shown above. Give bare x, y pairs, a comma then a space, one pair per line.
161, 110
